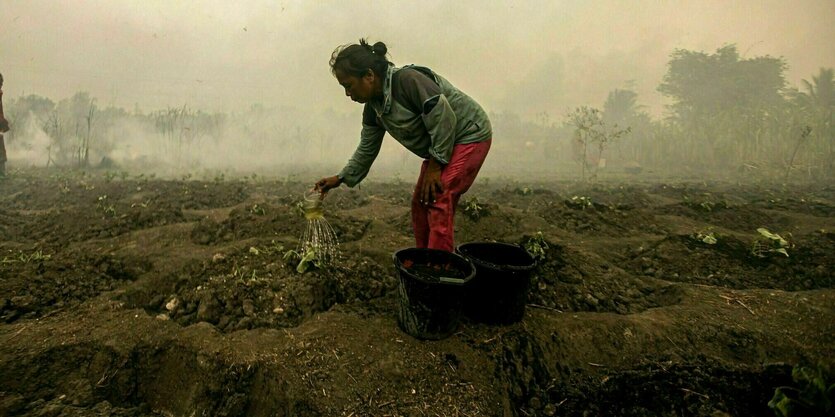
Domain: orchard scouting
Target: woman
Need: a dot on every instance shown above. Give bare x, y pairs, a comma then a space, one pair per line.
428, 116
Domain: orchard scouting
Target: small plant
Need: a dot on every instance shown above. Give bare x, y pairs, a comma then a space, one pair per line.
307, 259
768, 243
297, 209
813, 395
109, 176
707, 237
273, 248
143, 204
104, 206
257, 210
474, 209
36, 256
87, 187
523, 191
705, 205
536, 246
580, 202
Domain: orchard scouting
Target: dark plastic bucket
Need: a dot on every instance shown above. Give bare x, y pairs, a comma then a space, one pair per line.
431, 291
499, 291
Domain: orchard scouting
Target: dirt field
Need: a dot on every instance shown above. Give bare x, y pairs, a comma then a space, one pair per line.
142, 297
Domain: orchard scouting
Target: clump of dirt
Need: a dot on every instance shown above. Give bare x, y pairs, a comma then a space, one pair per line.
103, 220
493, 224
568, 280
809, 206
201, 195
584, 215
266, 220
39, 283
710, 388
249, 221
742, 218
730, 263
252, 289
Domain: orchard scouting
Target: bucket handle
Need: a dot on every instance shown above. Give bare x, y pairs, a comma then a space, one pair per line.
451, 280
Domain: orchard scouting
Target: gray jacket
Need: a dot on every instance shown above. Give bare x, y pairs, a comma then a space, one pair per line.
421, 110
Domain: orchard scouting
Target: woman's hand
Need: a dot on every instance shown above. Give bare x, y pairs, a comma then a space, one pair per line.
432, 186
325, 184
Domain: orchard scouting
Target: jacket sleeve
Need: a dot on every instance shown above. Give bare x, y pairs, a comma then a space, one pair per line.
371, 139
423, 94
440, 123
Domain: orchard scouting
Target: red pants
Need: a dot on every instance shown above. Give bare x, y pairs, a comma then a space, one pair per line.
434, 223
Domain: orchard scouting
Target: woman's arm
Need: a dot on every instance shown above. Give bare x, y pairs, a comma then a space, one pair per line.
371, 139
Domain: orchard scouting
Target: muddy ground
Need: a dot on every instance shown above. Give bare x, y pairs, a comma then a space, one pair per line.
133, 296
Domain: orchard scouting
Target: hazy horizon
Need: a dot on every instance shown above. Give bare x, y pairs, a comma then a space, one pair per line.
520, 57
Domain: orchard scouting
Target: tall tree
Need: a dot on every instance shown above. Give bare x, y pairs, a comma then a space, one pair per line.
721, 102
620, 106
621, 109
821, 91
817, 103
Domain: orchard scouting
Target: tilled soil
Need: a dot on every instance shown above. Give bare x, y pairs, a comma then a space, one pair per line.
137, 296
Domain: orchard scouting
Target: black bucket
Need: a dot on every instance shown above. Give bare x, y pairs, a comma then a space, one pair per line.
499, 291
431, 291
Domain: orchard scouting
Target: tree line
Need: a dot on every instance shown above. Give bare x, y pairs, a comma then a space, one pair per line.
729, 115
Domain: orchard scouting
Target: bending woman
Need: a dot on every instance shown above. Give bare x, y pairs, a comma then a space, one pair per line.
428, 116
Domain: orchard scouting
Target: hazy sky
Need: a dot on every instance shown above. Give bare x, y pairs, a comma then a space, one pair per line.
520, 56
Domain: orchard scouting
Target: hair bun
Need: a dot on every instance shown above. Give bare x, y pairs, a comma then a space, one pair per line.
379, 48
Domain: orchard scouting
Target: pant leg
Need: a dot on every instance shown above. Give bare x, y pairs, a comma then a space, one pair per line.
420, 213
2, 150
457, 177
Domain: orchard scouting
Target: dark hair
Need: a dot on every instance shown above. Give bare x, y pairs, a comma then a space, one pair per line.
356, 59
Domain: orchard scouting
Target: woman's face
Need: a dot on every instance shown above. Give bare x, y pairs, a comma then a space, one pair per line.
360, 89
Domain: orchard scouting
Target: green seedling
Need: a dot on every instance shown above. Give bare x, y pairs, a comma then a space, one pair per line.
768, 243
298, 209
306, 260
536, 246
109, 176
523, 191
257, 210
36, 256
103, 205
580, 202
812, 396
271, 249
707, 237
87, 187
475, 210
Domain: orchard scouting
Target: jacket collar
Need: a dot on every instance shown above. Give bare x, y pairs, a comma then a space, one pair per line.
385, 106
